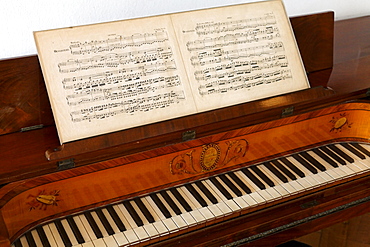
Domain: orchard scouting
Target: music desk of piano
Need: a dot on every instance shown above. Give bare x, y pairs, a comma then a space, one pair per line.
255, 174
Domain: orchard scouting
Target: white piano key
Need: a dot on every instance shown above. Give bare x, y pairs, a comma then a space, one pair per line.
49, 236
57, 238
240, 200
69, 232
264, 193
197, 215
23, 241
205, 212
258, 198
148, 227
127, 217
88, 244
100, 225
225, 209
99, 243
232, 205
129, 234
133, 233
317, 177
168, 222
110, 241
82, 229
335, 173
121, 239
217, 213
158, 224
87, 227
187, 217
357, 161
110, 220
280, 186
179, 221
36, 237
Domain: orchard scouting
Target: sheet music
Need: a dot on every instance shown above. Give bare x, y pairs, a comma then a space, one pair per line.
234, 55
113, 76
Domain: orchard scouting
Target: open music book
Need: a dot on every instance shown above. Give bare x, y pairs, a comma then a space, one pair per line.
112, 76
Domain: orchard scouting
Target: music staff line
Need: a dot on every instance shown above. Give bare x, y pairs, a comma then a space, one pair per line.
242, 82
113, 60
117, 42
120, 75
105, 92
220, 55
130, 106
227, 40
239, 68
219, 27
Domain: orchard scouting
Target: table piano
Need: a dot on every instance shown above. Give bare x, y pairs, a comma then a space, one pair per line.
254, 174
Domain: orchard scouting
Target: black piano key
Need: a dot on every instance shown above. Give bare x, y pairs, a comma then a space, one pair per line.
133, 213
341, 153
253, 178
291, 166
313, 161
276, 172
305, 163
242, 185
332, 155
116, 218
104, 221
62, 233
17, 243
361, 148
325, 157
263, 176
43, 237
208, 194
160, 205
353, 150
230, 184
144, 210
181, 199
93, 225
75, 230
219, 186
30, 240
196, 195
170, 202
284, 170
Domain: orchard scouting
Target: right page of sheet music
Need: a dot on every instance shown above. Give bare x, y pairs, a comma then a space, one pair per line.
239, 53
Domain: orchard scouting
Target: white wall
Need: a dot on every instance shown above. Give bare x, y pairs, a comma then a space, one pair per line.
19, 18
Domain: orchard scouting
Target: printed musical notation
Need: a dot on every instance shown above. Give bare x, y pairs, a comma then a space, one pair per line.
138, 80
240, 25
237, 55
115, 42
113, 60
129, 106
112, 76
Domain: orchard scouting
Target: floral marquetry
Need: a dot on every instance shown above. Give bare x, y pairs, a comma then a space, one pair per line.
208, 157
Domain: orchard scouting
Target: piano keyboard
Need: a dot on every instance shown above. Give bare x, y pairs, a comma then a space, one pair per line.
165, 212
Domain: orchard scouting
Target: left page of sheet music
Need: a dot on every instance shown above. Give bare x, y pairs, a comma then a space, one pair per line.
112, 76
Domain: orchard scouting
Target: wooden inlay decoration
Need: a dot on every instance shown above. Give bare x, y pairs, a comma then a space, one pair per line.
44, 199
208, 157
340, 123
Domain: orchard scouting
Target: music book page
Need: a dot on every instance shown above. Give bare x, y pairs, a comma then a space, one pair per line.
112, 76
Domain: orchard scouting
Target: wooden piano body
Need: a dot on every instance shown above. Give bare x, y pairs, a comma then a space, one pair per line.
42, 181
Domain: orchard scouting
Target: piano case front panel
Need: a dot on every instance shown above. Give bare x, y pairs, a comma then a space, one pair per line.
125, 177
